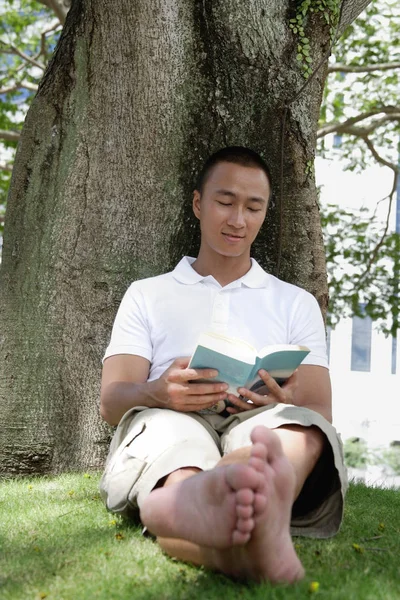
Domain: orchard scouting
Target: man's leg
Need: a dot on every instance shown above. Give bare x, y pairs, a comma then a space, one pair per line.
234, 518
301, 445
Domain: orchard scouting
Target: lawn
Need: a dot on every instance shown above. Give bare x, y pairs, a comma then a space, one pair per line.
58, 542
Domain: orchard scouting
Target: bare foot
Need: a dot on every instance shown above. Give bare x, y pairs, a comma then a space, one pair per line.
238, 514
214, 508
269, 554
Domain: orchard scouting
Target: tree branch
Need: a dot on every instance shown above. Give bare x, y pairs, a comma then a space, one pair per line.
9, 136
377, 156
350, 10
334, 67
43, 40
392, 113
17, 86
13, 50
59, 8
375, 251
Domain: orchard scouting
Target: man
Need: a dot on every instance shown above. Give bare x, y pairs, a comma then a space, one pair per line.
222, 490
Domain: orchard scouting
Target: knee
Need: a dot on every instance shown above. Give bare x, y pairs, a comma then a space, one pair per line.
179, 475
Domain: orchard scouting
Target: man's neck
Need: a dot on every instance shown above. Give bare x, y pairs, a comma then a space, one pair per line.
224, 269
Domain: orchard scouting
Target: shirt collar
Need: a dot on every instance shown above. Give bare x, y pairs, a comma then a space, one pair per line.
256, 277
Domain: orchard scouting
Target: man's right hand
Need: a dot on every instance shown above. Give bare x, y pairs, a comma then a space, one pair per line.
177, 388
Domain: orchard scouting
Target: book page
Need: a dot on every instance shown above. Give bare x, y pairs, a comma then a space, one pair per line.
235, 348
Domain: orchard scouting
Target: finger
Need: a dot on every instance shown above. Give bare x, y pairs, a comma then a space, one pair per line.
269, 381
205, 401
239, 403
195, 403
233, 411
183, 375
202, 373
205, 389
257, 399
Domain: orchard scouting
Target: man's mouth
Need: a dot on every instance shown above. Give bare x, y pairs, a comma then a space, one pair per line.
233, 237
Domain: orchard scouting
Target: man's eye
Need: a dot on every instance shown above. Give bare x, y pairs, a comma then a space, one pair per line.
224, 203
254, 209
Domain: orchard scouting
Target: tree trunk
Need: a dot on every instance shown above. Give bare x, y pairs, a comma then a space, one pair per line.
135, 98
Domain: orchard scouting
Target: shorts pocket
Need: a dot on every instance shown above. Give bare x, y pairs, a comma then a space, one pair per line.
122, 472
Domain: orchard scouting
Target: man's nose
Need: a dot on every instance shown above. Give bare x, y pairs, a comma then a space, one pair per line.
236, 218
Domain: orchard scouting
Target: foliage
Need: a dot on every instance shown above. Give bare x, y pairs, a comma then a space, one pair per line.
329, 10
58, 541
363, 266
28, 33
391, 457
372, 39
361, 108
355, 453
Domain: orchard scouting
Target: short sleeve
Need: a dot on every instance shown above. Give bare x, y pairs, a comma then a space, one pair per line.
308, 329
131, 332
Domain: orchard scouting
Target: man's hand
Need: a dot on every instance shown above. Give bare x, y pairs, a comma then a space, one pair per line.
177, 390
274, 394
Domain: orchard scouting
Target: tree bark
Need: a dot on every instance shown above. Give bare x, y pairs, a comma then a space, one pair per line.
136, 96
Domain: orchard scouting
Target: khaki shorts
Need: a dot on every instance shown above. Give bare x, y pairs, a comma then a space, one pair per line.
150, 443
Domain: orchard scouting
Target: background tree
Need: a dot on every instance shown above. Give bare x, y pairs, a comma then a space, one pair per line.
361, 107
134, 99
28, 33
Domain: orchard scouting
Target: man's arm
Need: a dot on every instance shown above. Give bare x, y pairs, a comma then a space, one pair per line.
314, 390
124, 385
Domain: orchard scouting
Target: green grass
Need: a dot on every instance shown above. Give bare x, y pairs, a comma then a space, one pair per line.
58, 542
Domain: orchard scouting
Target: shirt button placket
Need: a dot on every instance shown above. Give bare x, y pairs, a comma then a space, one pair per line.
220, 314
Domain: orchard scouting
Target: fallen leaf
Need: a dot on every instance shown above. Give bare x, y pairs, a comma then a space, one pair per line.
313, 587
358, 548
119, 536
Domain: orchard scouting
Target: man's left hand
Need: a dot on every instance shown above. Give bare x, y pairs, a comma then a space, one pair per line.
275, 394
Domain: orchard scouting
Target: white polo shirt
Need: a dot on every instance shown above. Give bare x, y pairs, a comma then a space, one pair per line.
161, 318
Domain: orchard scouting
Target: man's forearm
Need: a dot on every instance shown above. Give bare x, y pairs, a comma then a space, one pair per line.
118, 397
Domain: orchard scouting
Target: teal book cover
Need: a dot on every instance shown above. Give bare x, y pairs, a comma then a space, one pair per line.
230, 370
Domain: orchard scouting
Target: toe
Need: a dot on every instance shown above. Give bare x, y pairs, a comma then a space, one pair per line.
245, 525
267, 438
239, 538
259, 504
256, 461
244, 497
244, 512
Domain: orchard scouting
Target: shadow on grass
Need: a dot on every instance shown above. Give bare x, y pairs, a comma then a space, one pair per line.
67, 546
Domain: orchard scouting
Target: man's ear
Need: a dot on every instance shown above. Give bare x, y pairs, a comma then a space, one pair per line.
196, 203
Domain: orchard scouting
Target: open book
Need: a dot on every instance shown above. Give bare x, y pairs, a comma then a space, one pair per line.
238, 362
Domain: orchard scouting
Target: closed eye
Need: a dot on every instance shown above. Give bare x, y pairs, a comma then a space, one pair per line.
254, 209
224, 203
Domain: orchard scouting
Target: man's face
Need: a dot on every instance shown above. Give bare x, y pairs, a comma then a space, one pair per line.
232, 208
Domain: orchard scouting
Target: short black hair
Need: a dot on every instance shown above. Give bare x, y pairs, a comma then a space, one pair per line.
239, 155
